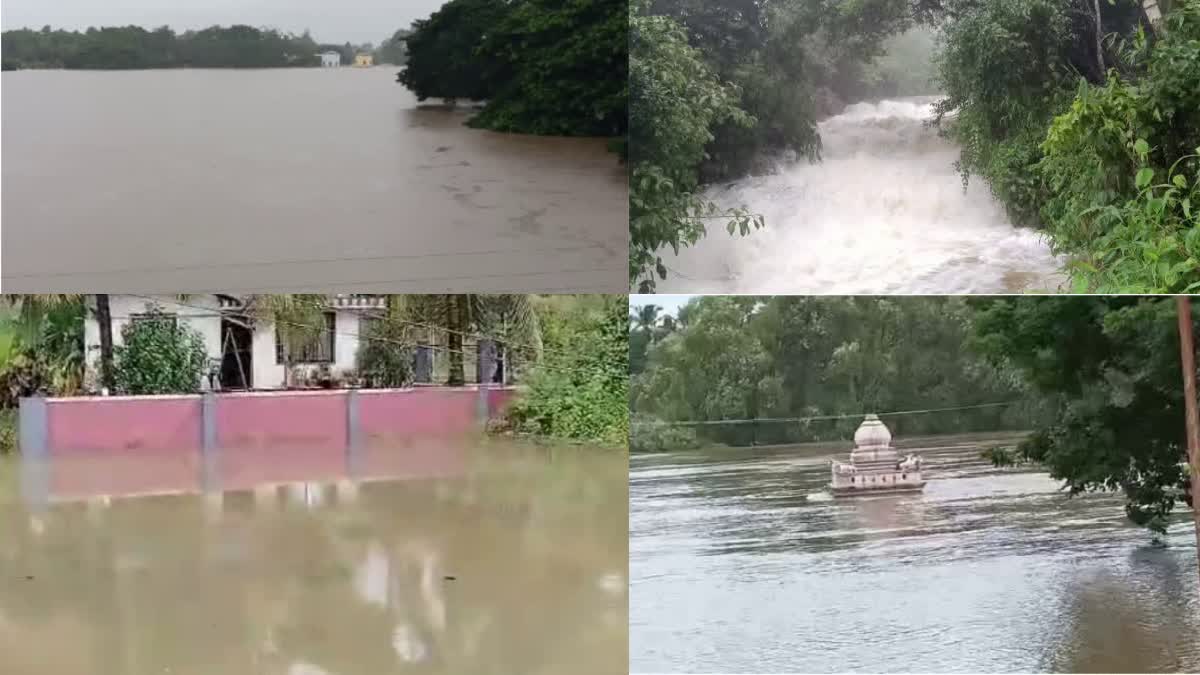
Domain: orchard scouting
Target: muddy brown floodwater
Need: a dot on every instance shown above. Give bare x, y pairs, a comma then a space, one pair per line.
514, 564
740, 562
292, 180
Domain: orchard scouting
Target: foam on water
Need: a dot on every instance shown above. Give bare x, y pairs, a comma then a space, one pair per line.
883, 212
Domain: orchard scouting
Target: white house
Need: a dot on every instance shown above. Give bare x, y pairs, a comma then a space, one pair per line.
244, 354
330, 59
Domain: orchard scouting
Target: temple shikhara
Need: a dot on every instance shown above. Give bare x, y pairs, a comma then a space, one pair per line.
875, 467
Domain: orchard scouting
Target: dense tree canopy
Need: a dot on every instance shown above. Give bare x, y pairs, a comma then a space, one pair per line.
543, 66
135, 47
1086, 125
1109, 367
743, 357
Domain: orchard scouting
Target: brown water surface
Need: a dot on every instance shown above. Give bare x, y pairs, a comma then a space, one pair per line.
741, 562
516, 564
289, 180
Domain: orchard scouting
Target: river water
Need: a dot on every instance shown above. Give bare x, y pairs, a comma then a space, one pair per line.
291, 180
884, 212
739, 562
515, 562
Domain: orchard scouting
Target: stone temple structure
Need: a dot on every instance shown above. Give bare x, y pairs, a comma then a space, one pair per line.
874, 466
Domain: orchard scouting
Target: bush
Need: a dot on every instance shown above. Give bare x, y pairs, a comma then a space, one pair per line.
384, 357
650, 434
159, 356
580, 388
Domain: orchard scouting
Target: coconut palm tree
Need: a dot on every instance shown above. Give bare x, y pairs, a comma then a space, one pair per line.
299, 319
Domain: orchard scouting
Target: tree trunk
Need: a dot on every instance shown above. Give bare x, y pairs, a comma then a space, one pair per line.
104, 318
456, 320
1099, 42
1187, 352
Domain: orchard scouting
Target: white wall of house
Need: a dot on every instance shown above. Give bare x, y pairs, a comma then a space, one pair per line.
203, 314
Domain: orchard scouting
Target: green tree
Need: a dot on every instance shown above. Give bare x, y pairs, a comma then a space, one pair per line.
561, 68
580, 388
1108, 368
510, 319
443, 60
159, 355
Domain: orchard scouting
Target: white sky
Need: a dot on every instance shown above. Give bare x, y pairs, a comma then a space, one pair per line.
669, 303
334, 21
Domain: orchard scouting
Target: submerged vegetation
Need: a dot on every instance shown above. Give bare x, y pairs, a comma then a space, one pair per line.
542, 66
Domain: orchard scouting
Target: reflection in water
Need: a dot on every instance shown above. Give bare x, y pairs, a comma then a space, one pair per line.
738, 562
498, 570
314, 179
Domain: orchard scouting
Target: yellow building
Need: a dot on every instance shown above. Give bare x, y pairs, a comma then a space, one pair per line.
364, 60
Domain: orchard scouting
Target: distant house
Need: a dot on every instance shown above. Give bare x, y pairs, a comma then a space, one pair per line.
330, 59
364, 60
246, 354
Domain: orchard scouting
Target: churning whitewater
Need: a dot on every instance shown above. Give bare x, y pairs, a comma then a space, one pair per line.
883, 212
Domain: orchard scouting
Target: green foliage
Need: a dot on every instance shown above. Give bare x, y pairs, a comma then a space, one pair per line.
562, 68
394, 50
1102, 156
42, 348
675, 101
742, 357
1123, 170
126, 47
385, 355
543, 66
720, 86
580, 388
159, 356
1110, 372
649, 434
442, 51
8, 431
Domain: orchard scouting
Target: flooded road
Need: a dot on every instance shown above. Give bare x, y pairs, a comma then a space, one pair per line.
883, 212
740, 563
513, 563
292, 180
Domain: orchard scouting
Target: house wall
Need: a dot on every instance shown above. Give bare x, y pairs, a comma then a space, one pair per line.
270, 375
202, 313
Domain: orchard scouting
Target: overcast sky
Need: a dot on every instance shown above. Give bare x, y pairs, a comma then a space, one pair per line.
669, 303
337, 21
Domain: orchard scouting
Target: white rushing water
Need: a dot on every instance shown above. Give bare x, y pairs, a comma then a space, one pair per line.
883, 212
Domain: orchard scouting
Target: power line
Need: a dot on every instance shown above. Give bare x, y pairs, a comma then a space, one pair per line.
815, 418
300, 261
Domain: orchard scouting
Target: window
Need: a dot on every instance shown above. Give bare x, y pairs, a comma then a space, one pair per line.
319, 349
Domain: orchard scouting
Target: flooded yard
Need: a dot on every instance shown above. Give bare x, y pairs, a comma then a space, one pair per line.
501, 558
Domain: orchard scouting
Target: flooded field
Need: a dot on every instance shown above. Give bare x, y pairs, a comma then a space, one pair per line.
291, 180
503, 558
740, 562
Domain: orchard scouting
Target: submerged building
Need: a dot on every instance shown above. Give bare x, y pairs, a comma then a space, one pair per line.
875, 467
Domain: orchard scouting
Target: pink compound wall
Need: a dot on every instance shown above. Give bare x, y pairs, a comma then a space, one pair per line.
139, 445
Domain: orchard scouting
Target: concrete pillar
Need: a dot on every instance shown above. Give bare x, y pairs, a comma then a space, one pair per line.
210, 464
354, 434
33, 432
214, 506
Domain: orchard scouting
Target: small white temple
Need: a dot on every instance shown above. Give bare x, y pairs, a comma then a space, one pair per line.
874, 466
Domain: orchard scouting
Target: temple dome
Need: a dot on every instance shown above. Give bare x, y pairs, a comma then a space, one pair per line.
872, 434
